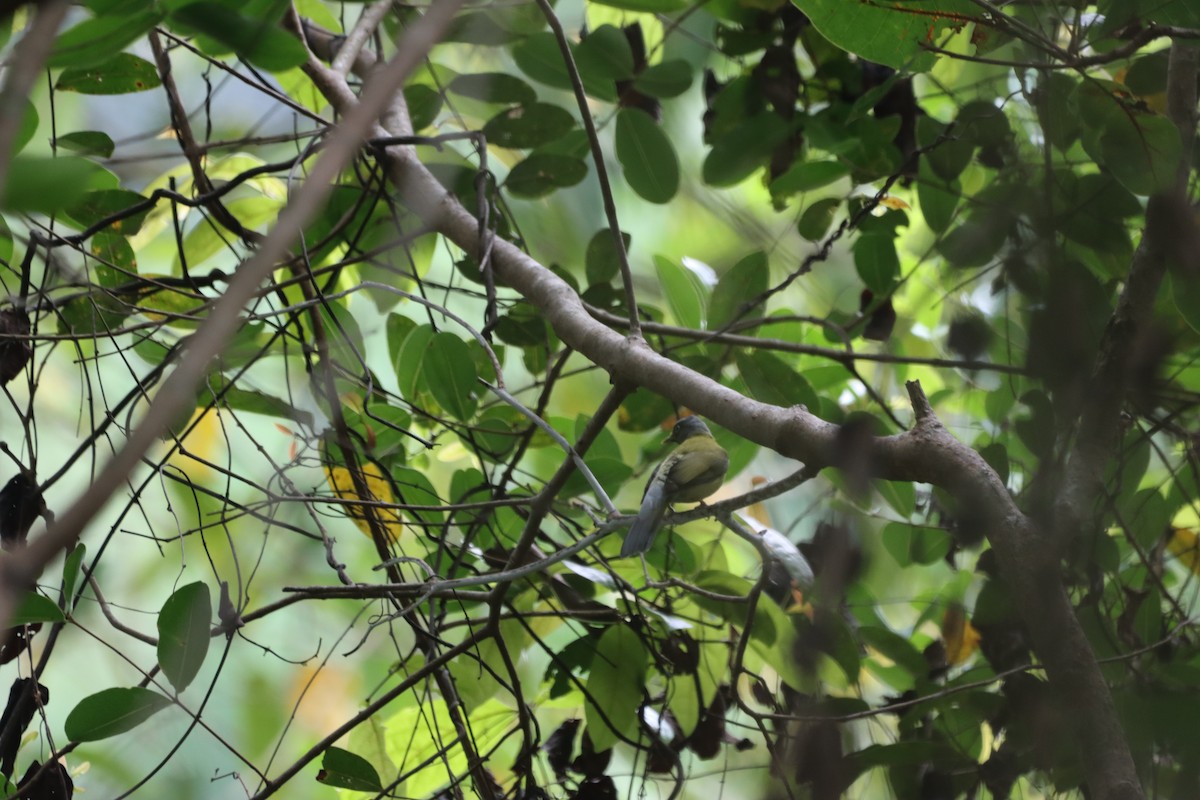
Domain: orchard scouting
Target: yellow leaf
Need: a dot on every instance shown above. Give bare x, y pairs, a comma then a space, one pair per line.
380, 495
201, 446
894, 203
959, 635
758, 510
1184, 546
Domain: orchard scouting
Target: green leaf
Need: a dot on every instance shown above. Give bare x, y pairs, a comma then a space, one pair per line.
183, 633
539, 57
122, 74
1142, 152
410, 362
772, 380
72, 567
346, 344
47, 185
398, 327
95, 206
256, 402
649, 6
208, 239
900, 495
876, 261
684, 292
907, 752
413, 488
808, 175
97, 40
615, 682
602, 262
745, 148
996, 455
914, 544
87, 143
493, 87
647, 156
975, 242
949, 158
424, 103
938, 198
527, 126
259, 40
345, 770
817, 218
110, 712
498, 430
28, 129
431, 761
742, 284
6, 241
896, 33
604, 57
101, 310
35, 608
1060, 122
666, 79
895, 647
541, 174
450, 374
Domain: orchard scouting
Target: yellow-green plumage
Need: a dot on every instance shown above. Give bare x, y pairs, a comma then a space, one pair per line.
693, 471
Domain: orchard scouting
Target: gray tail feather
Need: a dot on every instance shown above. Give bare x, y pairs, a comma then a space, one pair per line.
641, 532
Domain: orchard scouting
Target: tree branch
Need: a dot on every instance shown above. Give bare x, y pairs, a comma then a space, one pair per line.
927, 454
1168, 215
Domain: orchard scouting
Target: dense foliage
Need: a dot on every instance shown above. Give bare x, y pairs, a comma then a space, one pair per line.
338, 337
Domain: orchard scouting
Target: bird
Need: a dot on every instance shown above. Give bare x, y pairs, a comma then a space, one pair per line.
693, 471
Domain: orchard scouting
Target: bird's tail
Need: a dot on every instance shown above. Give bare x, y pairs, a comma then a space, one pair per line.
645, 525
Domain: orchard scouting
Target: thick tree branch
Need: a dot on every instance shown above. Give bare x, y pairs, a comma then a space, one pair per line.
927, 453
1170, 235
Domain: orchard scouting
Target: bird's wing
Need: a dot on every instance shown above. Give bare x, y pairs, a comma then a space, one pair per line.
684, 472
654, 505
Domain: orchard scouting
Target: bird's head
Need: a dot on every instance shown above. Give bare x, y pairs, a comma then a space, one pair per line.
688, 427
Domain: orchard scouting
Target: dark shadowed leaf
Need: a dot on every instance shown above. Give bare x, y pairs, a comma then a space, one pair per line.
493, 87
602, 262
259, 40
541, 173
817, 218
528, 125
